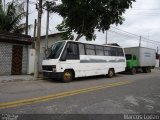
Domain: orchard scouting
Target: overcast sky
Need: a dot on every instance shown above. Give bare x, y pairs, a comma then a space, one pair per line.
143, 19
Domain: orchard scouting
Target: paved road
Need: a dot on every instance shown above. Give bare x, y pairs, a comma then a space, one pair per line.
94, 95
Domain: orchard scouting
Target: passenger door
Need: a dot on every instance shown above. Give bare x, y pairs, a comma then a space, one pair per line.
70, 57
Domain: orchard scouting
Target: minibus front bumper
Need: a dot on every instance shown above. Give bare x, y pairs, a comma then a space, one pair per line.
56, 75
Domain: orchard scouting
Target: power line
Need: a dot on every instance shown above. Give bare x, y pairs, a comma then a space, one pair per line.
125, 31
124, 35
145, 9
144, 38
143, 14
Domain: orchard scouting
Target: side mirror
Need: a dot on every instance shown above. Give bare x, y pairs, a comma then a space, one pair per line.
63, 59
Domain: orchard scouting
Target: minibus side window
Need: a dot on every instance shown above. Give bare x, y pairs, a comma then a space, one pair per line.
81, 49
70, 52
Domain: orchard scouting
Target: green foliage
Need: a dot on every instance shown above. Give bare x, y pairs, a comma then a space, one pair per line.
84, 16
10, 19
67, 33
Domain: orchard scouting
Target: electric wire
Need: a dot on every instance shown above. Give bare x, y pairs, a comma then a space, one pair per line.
137, 36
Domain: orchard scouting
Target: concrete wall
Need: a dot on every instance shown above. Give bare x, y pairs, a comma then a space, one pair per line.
25, 60
31, 61
157, 63
51, 40
6, 58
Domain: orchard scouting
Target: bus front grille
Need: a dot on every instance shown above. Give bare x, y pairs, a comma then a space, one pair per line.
48, 68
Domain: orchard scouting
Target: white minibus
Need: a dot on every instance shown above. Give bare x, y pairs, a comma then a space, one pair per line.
70, 59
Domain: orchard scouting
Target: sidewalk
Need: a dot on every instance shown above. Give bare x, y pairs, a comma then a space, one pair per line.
157, 68
12, 78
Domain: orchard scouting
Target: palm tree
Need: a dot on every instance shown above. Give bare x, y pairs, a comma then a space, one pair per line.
10, 19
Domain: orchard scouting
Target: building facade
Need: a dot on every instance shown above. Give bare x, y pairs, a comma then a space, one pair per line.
52, 38
14, 53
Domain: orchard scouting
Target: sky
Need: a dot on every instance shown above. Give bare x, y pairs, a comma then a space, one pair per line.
143, 19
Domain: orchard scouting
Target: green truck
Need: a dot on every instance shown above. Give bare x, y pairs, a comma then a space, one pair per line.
140, 58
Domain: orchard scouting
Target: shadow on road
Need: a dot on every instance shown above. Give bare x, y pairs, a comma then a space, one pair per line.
90, 78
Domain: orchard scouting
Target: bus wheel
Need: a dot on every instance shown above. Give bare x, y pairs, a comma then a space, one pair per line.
110, 73
67, 76
133, 71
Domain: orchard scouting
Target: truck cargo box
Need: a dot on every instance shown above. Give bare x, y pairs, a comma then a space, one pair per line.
145, 56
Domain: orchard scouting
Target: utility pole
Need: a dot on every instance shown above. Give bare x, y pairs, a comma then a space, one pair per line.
140, 39
34, 34
37, 54
106, 37
48, 5
26, 29
47, 25
35, 26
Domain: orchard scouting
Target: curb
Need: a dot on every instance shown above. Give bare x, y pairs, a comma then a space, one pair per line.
20, 80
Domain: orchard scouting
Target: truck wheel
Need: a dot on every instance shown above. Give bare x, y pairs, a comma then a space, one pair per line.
133, 71
110, 73
149, 69
67, 76
146, 70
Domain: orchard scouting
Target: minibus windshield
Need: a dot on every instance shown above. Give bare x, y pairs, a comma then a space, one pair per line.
55, 50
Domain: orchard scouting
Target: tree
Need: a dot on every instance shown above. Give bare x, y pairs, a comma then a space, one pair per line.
84, 16
10, 19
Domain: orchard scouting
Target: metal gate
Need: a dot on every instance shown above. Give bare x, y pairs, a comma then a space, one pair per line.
17, 55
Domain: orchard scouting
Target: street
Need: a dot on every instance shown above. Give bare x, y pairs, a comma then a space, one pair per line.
86, 47
123, 94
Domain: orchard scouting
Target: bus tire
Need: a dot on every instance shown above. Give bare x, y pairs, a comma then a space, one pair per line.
110, 73
67, 76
